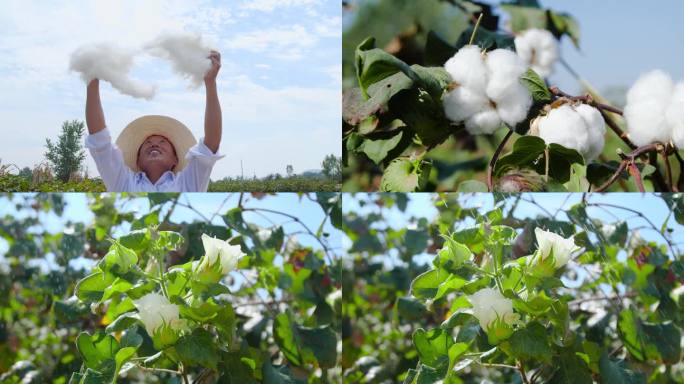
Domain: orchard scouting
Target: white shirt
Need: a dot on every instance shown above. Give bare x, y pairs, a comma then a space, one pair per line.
118, 177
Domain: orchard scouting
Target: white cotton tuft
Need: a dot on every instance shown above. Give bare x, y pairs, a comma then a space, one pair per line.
109, 63
463, 102
187, 53
581, 128
539, 49
488, 92
483, 123
647, 103
675, 115
467, 68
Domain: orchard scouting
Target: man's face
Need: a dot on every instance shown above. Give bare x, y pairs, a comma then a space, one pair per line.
157, 149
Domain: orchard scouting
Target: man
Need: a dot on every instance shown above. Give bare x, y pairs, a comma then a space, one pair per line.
156, 153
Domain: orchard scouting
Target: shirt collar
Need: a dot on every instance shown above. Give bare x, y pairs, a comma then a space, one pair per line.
141, 178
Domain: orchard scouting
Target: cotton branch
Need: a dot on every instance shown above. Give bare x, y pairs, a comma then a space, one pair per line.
495, 158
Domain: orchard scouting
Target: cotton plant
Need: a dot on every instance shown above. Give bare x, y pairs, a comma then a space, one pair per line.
486, 90
178, 306
513, 302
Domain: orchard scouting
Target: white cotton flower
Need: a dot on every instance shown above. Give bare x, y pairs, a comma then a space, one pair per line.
487, 89
155, 310
539, 49
647, 104
264, 234
674, 115
217, 249
581, 128
548, 241
489, 304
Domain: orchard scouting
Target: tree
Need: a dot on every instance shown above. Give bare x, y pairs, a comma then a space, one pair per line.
26, 173
67, 155
332, 167
290, 170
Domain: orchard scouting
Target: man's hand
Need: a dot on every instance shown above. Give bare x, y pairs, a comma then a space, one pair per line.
211, 74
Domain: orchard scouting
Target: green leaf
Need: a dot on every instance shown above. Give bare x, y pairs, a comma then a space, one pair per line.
537, 87
486, 39
425, 285
570, 369
437, 51
123, 322
433, 347
158, 198
198, 348
423, 114
649, 341
305, 345
356, 109
91, 288
524, 17
616, 371
119, 259
452, 255
531, 343
404, 175
374, 65
377, 150
136, 240
563, 24
411, 309
322, 342
526, 151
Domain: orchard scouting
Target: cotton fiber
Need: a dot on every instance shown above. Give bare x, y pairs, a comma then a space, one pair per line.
110, 63
187, 53
647, 103
675, 115
539, 49
487, 89
581, 128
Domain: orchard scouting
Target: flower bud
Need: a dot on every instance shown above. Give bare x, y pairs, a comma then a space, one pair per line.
155, 311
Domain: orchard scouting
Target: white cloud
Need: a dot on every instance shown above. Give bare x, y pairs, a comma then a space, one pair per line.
280, 42
271, 5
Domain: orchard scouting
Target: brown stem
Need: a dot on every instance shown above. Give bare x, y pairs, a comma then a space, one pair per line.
615, 176
521, 369
680, 181
628, 160
668, 172
495, 158
618, 131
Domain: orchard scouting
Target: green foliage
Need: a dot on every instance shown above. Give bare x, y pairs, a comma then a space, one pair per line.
67, 154
72, 325
611, 315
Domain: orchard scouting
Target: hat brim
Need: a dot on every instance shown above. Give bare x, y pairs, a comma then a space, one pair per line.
135, 133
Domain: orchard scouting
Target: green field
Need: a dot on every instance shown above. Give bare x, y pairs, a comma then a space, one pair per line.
15, 183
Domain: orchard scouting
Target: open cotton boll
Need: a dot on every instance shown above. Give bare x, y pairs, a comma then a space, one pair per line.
504, 88
675, 115
647, 103
467, 68
539, 49
596, 130
109, 63
187, 53
564, 126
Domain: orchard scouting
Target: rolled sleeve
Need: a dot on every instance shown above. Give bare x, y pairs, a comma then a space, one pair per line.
201, 160
108, 160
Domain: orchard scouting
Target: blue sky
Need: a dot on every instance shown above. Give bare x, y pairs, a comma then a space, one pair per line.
279, 85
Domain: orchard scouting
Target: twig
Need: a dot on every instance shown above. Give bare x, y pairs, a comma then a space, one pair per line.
628, 161
634, 172
477, 25
495, 158
521, 369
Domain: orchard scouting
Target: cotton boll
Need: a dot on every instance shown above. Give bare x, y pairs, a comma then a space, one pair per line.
596, 130
467, 68
463, 102
504, 64
515, 103
647, 103
675, 116
187, 53
110, 63
483, 123
539, 49
564, 126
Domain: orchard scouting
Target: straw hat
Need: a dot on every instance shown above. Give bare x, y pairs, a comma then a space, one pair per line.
132, 137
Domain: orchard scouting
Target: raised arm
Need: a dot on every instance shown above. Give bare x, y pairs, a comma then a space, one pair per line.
94, 114
212, 112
